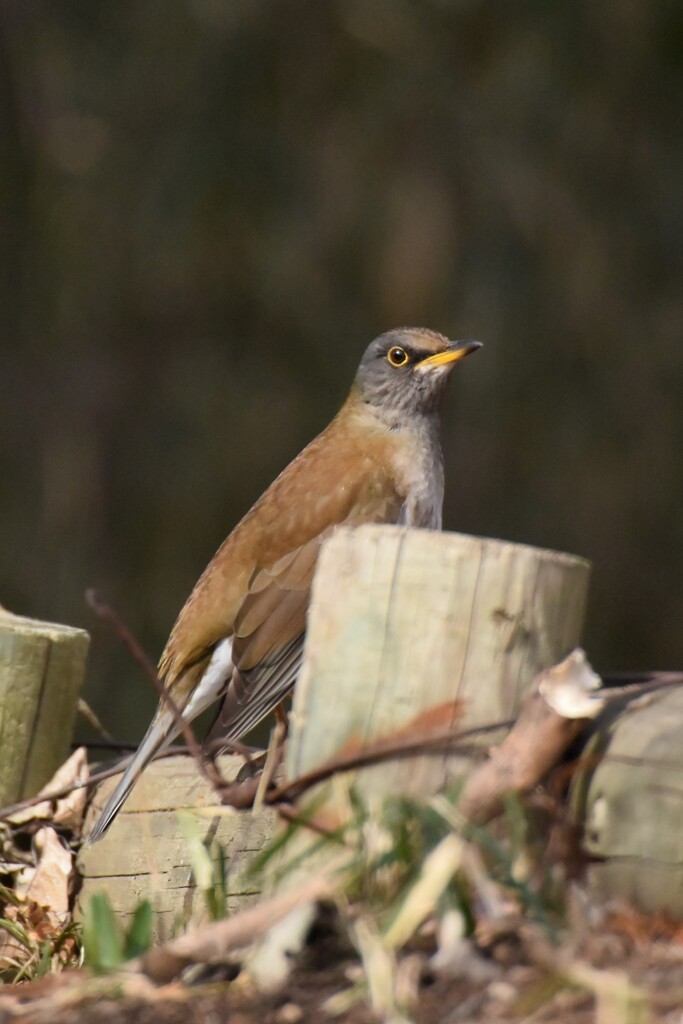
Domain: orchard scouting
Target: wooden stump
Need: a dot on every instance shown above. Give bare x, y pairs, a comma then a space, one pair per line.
405, 623
409, 630
42, 666
146, 854
630, 799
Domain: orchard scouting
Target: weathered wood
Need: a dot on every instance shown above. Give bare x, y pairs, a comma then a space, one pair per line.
630, 799
409, 629
146, 852
407, 622
42, 666
402, 622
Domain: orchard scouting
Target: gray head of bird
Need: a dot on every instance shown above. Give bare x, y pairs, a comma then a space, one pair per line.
405, 371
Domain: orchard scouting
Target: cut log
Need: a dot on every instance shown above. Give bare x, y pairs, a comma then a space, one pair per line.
42, 666
407, 629
146, 854
410, 629
629, 799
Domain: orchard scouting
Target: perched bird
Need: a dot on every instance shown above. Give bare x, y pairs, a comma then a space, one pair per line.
240, 634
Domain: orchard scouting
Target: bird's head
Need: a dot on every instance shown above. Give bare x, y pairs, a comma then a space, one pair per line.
405, 371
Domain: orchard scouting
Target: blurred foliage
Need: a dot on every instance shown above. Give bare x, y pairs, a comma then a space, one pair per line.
33, 942
106, 943
400, 863
209, 863
209, 207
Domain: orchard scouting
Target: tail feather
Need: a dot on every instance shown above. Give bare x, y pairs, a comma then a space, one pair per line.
163, 730
160, 733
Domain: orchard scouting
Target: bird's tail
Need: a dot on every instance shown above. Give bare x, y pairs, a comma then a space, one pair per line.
206, 681
160, 733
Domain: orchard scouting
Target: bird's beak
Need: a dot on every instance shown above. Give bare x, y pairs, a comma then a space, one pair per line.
455, 351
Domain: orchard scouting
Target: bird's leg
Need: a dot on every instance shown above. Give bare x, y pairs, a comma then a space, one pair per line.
273, 755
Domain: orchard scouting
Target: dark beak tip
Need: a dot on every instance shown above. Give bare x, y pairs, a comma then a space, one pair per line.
468, 344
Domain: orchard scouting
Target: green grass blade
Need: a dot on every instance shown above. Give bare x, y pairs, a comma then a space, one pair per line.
139, 936
102, 939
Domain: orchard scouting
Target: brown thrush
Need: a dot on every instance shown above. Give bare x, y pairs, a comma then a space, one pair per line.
240, 634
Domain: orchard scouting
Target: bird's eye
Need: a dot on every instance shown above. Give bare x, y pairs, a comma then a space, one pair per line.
397, 356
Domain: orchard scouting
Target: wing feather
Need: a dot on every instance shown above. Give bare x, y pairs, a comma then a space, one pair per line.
268, 641
354, 487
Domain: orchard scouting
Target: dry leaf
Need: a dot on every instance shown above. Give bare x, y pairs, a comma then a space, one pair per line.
49, 886
68, 810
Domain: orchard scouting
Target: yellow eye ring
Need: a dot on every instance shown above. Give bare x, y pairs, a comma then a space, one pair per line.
397, 356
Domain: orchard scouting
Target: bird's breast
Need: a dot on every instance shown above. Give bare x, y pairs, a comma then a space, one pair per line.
418, 469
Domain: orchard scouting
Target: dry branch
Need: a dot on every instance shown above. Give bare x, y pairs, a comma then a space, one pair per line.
216, 940
535, 743
107, 614
552, 716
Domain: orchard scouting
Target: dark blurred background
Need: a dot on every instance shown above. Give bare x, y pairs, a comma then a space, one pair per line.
209, 207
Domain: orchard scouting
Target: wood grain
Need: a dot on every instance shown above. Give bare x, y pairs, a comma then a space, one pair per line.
42, 666
630, 799
146, 852
404, 621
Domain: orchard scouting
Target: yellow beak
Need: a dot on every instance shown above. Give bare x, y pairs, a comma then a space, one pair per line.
458, 350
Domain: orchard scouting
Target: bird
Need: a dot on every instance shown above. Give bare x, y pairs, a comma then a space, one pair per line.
240, 634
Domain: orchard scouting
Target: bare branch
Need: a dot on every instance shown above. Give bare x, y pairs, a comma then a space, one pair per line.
564, 698
216, 940
104, 610
451, 740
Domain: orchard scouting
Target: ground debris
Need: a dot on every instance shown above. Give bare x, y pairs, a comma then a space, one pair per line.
575, 984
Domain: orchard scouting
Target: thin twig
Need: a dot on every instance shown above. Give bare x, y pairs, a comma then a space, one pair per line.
292, 817
107, 773
107, 614
104, 610
58, 794
629, 682
385, 750
241, 795
115, 746
214, 748
91, 718
431, 744
273, 760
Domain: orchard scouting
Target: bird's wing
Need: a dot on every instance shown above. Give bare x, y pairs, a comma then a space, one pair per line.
313, 494
268, 634
268, 640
